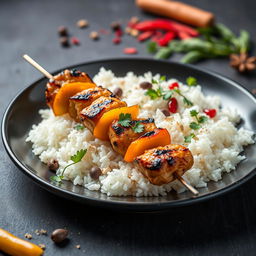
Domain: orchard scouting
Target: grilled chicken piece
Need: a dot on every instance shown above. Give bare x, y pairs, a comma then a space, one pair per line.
85, 98
121, 137
91, 115
67, 76
159, 164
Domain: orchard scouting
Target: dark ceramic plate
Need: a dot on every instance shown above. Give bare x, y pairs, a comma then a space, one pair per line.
22, 112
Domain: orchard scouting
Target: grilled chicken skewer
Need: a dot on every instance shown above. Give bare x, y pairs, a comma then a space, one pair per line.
159, 165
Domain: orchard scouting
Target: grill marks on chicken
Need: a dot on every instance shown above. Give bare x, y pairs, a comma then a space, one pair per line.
121, 137
92, 114
67, 76
85, 98
159, 164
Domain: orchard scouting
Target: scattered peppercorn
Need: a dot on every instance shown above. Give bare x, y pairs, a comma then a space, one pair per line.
166, 112
82, 23
78, 246
53, 165
41, 232
130, 50
118, 92
145, 85
115, 25
94, 35
63, 31
28, 236
59, 235
254, 91
64, 41
116, 40
75, 40
95, 173
42, 246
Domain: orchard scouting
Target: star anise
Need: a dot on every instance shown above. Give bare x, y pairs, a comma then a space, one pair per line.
242, 62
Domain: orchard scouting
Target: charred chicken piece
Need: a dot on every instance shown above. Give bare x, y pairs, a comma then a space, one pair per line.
84, 99
159, 164
67, 76
121, 137
91, 115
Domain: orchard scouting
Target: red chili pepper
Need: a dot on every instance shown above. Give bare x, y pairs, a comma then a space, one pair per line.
210, 112
173, 85
157, 36
173, 105
75, 40
116, 40
145, 35
166, 38
130, 50
154, 25
183, 35
184, 28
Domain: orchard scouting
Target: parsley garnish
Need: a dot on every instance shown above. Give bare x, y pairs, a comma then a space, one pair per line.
191, 81
199, 119
194, 126
125, 119
138, 127
79, 127
185, 100
189, 137
75, 159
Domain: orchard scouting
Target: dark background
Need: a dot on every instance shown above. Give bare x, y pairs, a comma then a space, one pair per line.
223, 226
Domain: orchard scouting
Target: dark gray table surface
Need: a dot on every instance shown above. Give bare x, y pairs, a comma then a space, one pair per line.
222, 226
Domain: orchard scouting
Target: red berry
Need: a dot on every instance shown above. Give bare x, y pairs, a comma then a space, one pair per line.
173, 105
130, 50
210, 112
116, 40
173, 85
75, 40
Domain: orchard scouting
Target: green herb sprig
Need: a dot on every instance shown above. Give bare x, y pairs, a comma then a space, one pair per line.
75, 159
199, 120
125, 120
79, 127
188, 138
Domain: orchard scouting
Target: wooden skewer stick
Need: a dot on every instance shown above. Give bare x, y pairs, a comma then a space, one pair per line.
48, 75
188, 186
37, 66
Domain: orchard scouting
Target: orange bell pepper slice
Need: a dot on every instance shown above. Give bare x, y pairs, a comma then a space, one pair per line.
149, 140
61, 100
101, 128
16, 246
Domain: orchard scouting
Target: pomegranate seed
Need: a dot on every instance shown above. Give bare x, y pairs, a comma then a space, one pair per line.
210, 112
116, 40
75, 40
173, 85
130, 50
173, 105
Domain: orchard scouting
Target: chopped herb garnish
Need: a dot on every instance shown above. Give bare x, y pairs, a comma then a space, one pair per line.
191, 81
188, 138
194, 126
138, 127
153, 81
163, 78
185, 100
124, 119
194, 113
153, 94
79, 127
202, 119
75, 159
152, 47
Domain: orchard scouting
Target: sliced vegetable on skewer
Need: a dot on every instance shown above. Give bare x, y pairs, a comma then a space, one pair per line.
102, 127
149, 140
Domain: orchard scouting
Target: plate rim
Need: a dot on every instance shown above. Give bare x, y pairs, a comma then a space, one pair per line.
139, 206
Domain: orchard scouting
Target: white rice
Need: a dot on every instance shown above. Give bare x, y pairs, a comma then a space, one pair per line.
216, 149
